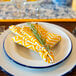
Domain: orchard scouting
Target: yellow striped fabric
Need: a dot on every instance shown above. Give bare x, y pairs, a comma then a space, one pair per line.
26, 38
29, 35
25, 43
50, 38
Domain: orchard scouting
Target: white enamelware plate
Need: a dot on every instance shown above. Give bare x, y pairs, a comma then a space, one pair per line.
29, 58
11, 68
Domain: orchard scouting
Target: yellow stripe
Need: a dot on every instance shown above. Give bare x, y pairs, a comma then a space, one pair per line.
38, 20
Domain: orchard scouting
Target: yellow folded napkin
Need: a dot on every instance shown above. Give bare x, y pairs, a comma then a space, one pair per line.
32, 43
27, 38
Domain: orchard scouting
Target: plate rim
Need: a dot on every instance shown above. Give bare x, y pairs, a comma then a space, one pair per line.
36, 67
10, 74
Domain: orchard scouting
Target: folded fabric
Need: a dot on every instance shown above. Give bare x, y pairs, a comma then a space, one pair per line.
17, 30
50, 39
31, 42
27, 38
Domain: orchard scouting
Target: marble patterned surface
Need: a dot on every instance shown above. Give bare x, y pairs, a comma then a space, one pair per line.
45, 10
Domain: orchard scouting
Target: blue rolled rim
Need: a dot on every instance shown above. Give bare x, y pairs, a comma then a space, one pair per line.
35, 66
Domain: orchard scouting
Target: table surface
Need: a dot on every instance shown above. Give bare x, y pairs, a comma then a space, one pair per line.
47, 10
67, 25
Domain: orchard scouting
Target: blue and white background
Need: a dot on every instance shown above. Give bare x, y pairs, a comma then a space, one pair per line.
47, 10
